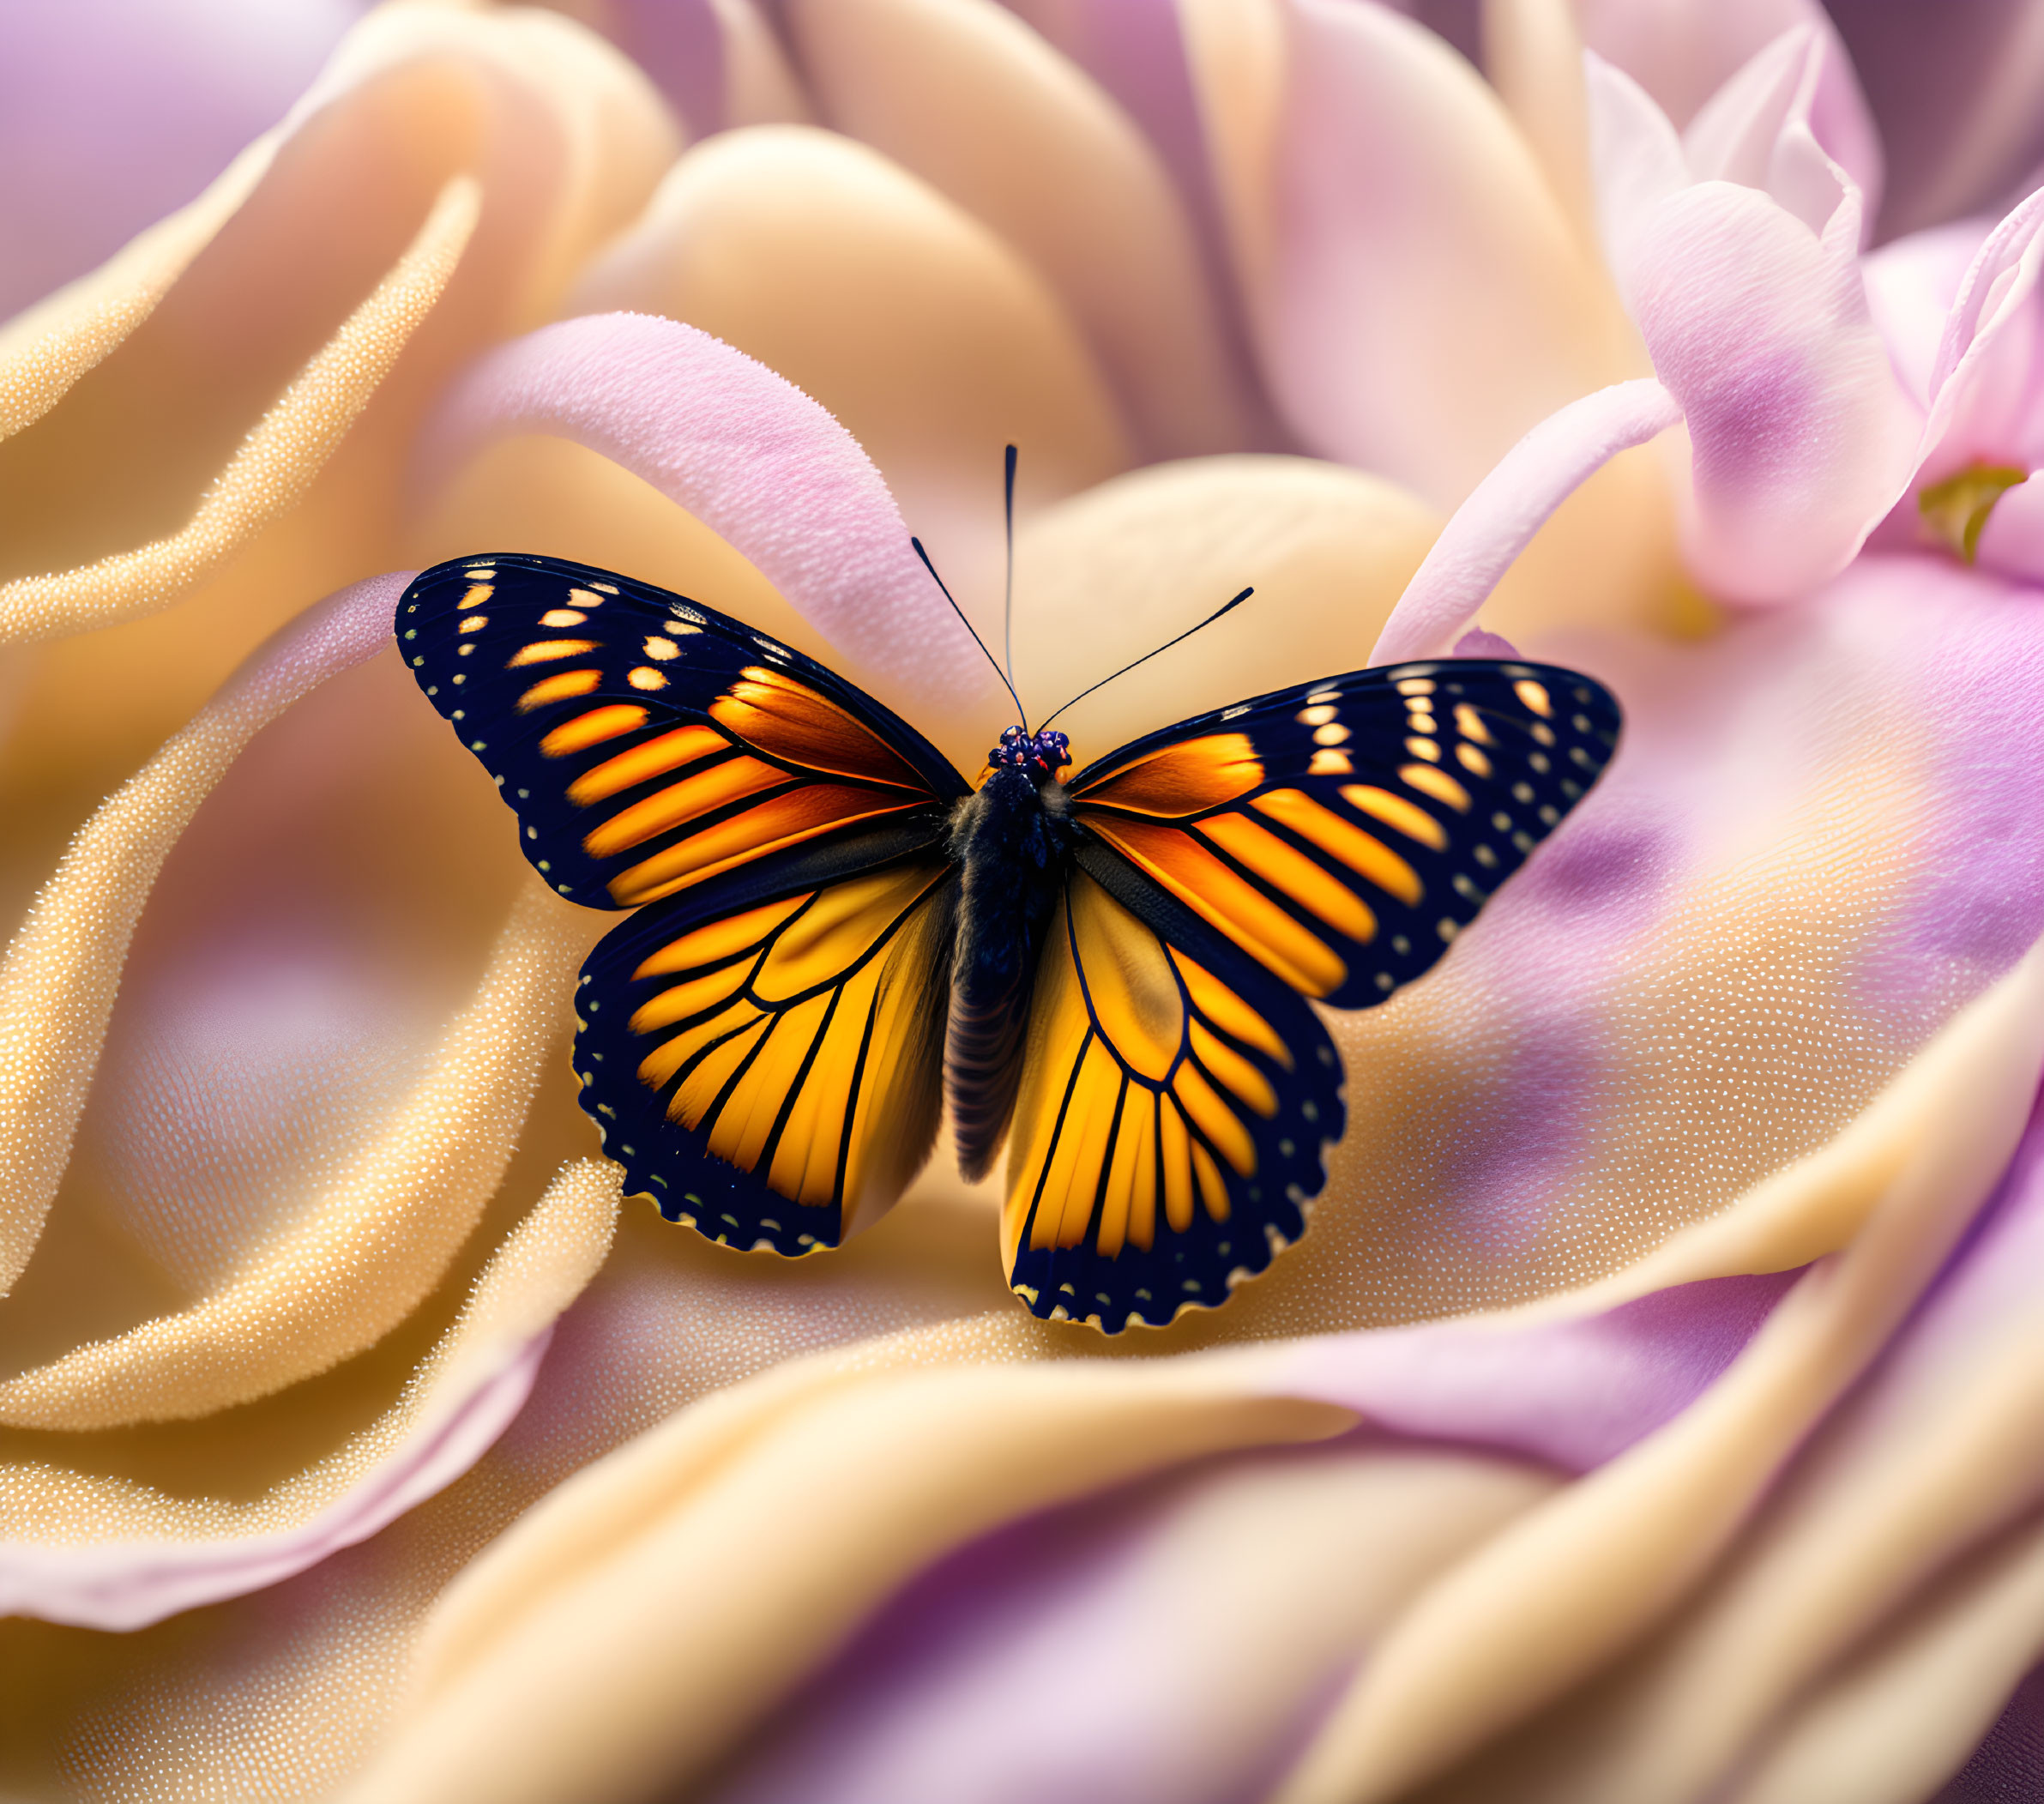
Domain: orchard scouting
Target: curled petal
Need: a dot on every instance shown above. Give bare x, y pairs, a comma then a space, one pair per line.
1800, 434
275, 463
156, 1554
1498, 521
752, 457
1684, 52
59, 976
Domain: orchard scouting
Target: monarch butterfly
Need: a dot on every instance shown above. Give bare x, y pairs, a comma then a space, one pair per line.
832, 934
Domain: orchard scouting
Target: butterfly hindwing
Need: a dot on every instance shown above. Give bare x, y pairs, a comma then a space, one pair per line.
649, 744
770, 1072
1174, 1103
1342, 833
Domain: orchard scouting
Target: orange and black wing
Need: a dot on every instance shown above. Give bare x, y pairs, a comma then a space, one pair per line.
760, 1042
649, 744
1325, 842
770, 1072
1342, 834
1175, 1099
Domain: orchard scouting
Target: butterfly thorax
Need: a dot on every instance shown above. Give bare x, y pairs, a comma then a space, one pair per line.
1014, 841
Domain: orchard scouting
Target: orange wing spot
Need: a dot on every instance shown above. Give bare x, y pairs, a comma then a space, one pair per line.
1330, 763
608, 588
559, 688
1469, 724
1174, 1150
1395, 812
589, 729
1175, 781
1248, 917
844, 923
1423, 749
1131, 1159
644, 676
563, 617
1437, 784
661, 651
1234, 1071
1212, 1191
1129, 980
1216, 1119
477, 593
670, 751
689, 800
1472, 760
1317, 715
586, 598
785, 820
1292, 873
683, 1000
1362, 854
473, 623
787, 719
1535, 697
1227, 1010
546, 651
1416, 687
721, 938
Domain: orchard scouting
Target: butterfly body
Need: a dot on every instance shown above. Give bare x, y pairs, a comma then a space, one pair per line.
829, 934
1014, 839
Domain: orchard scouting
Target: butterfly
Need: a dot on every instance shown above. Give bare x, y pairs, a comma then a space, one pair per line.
830, 936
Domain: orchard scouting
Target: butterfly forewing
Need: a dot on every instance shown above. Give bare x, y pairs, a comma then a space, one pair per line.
1342, 833
649, 744
1174, 1103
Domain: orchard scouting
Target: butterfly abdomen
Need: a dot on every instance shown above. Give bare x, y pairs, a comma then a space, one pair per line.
1014, 843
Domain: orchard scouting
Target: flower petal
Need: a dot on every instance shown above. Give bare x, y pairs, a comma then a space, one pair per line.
966, 96
1500, 517
154, 1555
752, 457
1418, 323
59, 975
1801, 436
1683, 52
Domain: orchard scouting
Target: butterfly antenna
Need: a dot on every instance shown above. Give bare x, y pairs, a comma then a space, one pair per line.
1008, 598
1147, 655
967, 624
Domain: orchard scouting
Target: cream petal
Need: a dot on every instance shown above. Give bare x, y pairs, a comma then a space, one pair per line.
964, 95
59, 977
108, 1553
366, 1251
274, 464
939, 343
915, 1463
1114, 573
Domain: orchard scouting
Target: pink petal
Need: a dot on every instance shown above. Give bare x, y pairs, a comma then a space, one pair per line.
752, 457
1429, 301
129, 1585
1986, 383
1911, 285
1684, 51
1802, 436
1510, 504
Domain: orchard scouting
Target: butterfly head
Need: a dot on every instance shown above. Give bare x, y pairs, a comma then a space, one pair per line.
1042, 755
